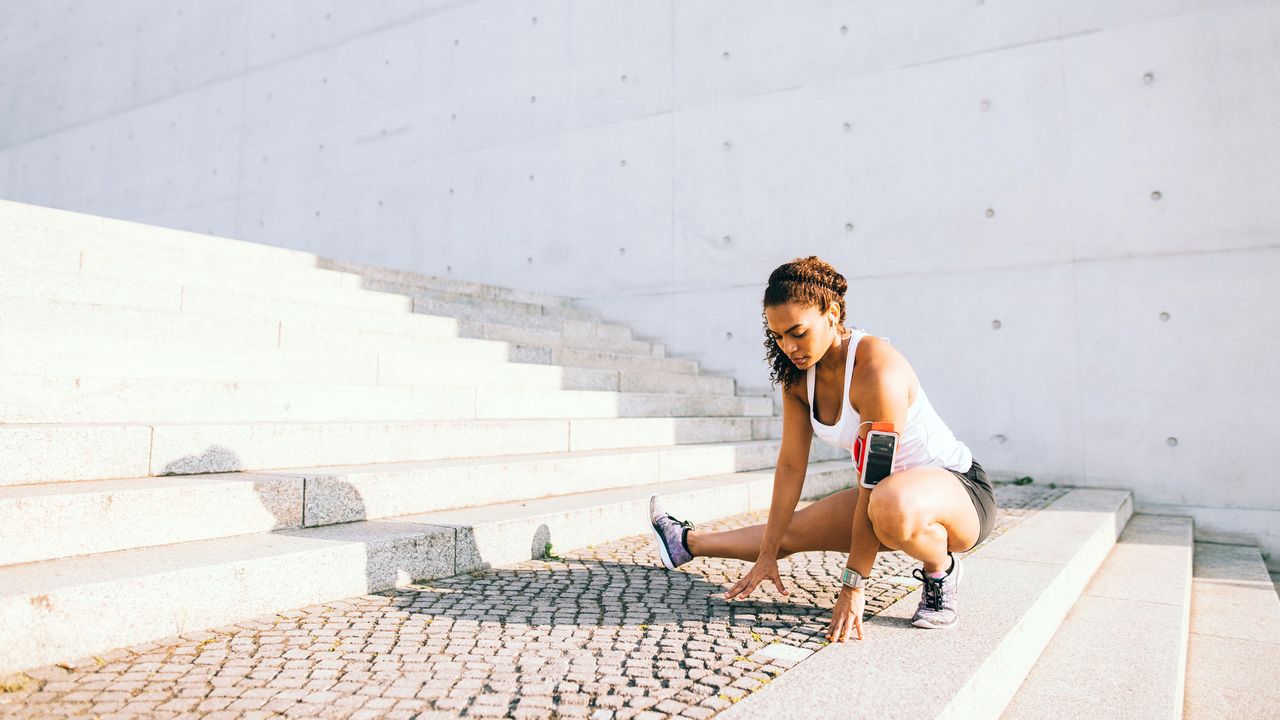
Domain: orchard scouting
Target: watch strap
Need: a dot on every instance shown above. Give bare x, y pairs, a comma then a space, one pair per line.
852, 578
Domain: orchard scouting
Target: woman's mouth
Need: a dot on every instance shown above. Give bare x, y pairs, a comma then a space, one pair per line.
799, 360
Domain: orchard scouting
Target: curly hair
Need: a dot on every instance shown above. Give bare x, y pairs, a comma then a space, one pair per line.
807, 281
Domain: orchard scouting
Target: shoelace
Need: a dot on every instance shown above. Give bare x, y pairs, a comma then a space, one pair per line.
932, 589
681, 523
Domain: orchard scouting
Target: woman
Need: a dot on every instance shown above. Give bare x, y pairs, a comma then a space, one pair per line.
836, 382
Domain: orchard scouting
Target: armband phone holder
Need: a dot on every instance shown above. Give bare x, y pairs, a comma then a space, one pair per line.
878, 453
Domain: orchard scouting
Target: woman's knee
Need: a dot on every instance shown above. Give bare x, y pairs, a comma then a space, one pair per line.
895, 515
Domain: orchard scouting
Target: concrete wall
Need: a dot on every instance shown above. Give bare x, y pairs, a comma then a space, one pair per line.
1097, 176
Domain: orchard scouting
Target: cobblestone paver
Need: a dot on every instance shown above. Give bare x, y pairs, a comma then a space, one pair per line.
604, 632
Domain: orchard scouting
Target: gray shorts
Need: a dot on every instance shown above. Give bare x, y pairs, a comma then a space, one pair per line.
984, 498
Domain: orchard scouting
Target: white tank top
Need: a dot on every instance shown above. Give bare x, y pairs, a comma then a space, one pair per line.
926, 440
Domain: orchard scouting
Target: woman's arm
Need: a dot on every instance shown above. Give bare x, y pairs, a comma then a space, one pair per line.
788, 476
788, 482
884, 400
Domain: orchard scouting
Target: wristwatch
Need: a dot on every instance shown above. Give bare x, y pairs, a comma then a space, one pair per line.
851, 578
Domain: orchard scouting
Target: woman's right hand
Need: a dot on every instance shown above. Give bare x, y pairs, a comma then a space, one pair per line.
765, 568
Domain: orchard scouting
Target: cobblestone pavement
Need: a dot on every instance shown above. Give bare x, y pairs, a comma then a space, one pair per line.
604, 632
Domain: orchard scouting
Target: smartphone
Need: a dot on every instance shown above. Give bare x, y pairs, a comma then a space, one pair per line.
877, 458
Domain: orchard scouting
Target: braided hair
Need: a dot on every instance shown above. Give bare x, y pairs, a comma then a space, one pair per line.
806, 281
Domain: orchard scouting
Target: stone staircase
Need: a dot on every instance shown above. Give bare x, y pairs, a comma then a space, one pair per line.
195, 431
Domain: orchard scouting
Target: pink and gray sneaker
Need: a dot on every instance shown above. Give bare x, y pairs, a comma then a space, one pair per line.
670, 534
938, 598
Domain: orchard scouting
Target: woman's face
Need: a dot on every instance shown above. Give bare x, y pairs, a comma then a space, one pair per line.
801, 331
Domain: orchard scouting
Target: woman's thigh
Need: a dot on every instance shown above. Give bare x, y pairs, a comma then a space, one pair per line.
910, 499
824, 525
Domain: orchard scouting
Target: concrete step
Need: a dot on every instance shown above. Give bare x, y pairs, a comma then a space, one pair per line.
168, 294
300, 325
246, 292
432, 335
571, 357
59, 610
1140, 601
414, 280
516, 334
59, 354
1233, 648
492, 310
1015, 592
39, 399
67, 452
53, 520
32, 231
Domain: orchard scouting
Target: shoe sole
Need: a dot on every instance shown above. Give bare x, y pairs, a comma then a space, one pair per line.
923, 623
662, 546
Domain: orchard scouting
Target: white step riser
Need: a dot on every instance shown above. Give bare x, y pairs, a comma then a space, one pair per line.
97, 320
78, 606
33, 231
25, 353
28, 399
74, 355
412, 279
367, 494
516, 307
56, 453
208, 307
251, 293
569, 357
1140, 601
547, 338
484, 544
181, 589
165, 295
42, 522
529, 316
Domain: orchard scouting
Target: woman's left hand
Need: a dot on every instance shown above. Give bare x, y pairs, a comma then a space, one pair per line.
846, 616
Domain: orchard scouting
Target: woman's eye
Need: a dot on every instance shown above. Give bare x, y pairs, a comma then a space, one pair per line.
806, 332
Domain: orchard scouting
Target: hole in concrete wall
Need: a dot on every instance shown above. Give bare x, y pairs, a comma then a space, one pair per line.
985, 105
624, 78
1156, 195
530, 260
727, 146
848, 127
1164, 316
622, 251
1172, 442
995, 324
728, 336
533, 98
844, 29
727, 240
624, 163
1149, 78
725, 55
999, 439
991, 212
848, 227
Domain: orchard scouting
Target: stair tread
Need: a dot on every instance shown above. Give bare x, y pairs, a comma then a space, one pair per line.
1233, 647
1139, 600
1011, 600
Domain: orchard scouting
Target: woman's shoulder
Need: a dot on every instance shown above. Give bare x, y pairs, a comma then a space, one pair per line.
879, 363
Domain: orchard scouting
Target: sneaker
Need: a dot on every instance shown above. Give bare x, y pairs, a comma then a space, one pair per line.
670, 535
938, 600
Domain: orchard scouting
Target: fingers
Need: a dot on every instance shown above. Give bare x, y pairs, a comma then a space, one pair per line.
777, 581
742, 589
857, 622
